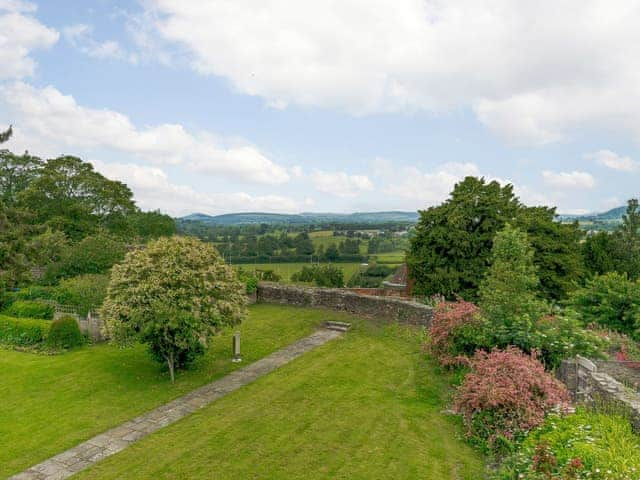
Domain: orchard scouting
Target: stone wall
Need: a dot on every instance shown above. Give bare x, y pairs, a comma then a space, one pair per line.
387, 308
589, 385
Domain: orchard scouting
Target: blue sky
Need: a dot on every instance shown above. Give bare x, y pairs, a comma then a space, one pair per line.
287, 106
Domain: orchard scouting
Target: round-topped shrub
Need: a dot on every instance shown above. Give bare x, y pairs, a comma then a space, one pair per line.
64, 333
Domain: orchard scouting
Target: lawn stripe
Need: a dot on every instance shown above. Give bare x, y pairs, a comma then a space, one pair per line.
113, 441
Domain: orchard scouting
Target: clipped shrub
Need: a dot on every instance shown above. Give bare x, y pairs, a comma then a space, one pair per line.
506, 394
583, 445
610, 300
23, 331
30, 309
64, 333
455, 332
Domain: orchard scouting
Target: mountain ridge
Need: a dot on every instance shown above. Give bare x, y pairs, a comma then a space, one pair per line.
243, 218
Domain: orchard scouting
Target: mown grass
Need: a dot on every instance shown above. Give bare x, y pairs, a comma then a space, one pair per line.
364, 406
51, 403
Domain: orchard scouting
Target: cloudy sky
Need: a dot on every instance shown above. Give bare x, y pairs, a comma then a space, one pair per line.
218, 106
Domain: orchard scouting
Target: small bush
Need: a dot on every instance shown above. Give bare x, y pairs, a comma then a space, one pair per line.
64, 333
455, 332
23, 331
506, 394
30, 309
584, 445
249, 279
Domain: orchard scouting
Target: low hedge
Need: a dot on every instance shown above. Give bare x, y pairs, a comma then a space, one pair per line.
30, 309
23, 331
64, 333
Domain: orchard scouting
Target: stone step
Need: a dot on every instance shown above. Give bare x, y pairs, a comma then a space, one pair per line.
339, 326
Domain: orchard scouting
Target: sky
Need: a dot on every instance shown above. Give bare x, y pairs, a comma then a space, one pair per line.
220, 106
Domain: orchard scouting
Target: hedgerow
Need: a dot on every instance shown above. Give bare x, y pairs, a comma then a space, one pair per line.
23, 331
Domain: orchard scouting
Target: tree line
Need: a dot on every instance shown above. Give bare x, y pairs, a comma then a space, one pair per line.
62, 218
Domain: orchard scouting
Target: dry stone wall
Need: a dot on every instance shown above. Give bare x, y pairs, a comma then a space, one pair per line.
386, 308
589, 385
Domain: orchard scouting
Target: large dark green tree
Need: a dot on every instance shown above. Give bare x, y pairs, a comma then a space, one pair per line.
557, 252
451, 248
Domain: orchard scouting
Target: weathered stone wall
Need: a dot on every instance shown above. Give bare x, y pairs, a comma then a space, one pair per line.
590, 385
387, 308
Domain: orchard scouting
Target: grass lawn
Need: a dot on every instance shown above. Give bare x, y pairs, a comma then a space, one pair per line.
51, 403
285, 270
364, 406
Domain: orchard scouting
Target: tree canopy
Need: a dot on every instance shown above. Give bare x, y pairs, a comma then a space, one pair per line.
173, 295
450, 251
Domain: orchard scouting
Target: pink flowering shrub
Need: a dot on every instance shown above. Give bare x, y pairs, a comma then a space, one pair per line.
506, 394
454, 333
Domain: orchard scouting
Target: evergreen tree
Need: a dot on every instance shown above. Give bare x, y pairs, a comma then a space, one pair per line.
509, 292
451, 248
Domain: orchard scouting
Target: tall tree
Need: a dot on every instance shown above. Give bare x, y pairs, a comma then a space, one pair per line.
16, 173
557, 250
509, 292
451, 248
69, 195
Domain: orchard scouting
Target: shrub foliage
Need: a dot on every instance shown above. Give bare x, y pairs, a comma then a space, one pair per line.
30, 309
23, 331
174, 295
64, 333
506, 394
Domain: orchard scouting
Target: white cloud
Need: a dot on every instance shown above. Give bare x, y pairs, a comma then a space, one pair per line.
532, 71
47, 117
20, 34
153, 190
80, 36
17, 6
425, 189
565, 180
340, 184
614, 161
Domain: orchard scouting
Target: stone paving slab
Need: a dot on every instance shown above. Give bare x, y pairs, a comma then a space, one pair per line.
113, 441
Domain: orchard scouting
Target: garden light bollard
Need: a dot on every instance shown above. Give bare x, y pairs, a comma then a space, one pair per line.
236, 348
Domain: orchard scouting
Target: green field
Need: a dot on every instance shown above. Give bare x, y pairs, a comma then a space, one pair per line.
365, 406
285, 270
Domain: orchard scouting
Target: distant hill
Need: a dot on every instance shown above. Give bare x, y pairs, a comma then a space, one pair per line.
303, 218
613, 215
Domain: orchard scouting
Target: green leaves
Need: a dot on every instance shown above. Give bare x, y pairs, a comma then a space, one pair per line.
174, 295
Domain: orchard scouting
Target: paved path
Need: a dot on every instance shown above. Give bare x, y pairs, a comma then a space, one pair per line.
112, 441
